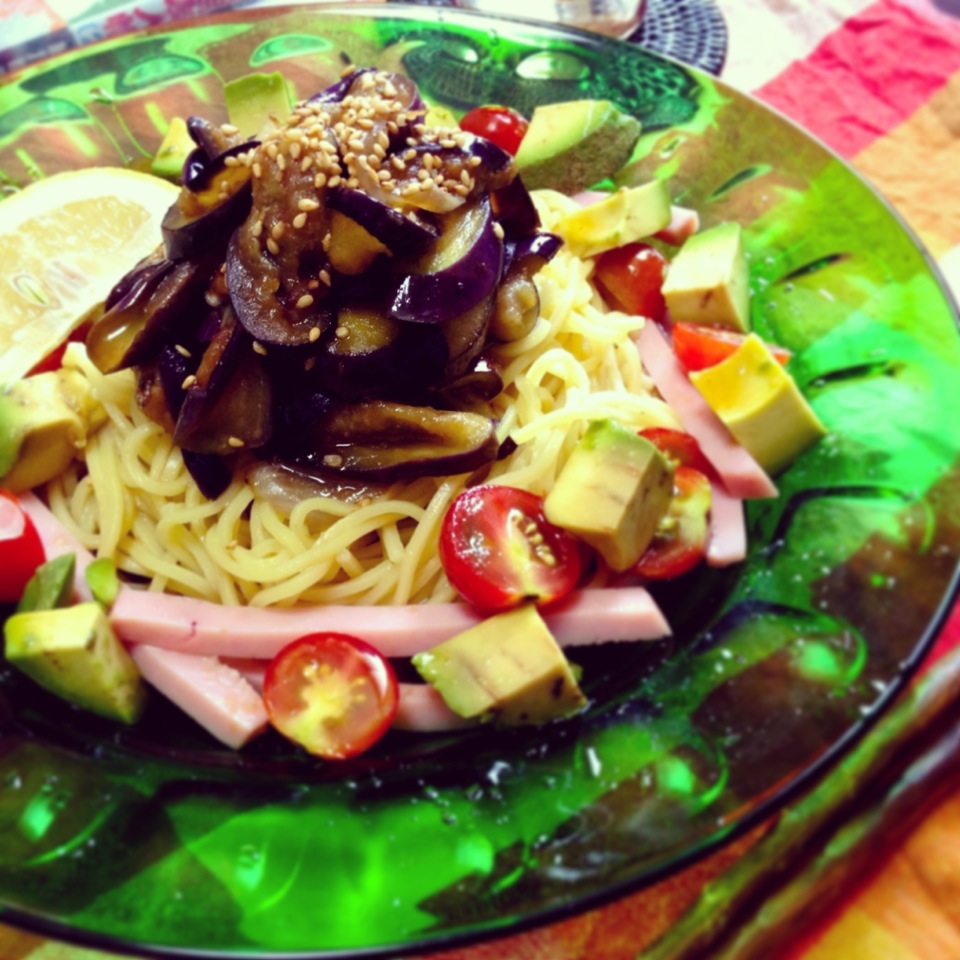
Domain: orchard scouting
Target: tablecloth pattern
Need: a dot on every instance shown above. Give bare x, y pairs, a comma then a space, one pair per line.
879, 82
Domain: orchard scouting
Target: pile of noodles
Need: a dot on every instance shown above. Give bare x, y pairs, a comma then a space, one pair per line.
132, 499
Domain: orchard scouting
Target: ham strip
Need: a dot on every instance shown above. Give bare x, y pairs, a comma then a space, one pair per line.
423, 710
209, 629
213, 694
728, 529
742, 476
57, 540
684, 223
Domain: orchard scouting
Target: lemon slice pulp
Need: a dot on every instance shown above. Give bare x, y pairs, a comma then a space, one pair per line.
64, 242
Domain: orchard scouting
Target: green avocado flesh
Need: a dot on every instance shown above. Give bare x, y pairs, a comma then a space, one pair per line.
73, 653
612, 492
571, 146
508, 668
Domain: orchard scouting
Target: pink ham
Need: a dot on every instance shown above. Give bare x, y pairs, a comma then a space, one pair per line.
202, 627
684, 223
57, 540
213, 694
741, 474
728, 530
423, 710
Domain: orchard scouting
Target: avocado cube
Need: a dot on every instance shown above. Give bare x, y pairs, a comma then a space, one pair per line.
708, 281
173, 151
257, 102
613, 491
74, 653
44, 422
51, 586
628, 215
572, 145
760, 404
508, 668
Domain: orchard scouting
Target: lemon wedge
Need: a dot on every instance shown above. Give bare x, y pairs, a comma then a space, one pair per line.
64, 242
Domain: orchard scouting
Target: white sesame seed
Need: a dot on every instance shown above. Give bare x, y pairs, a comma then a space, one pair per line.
333, 460
212, 299
183, 351
188, 382
306, 163
498, 231
229, 129
281, 162
271, 149
474, 161
398, 162
348, 71
320, 181
257, 228
278, 230
235, 442
259, 348
272, 246
295, 151
324, 276
299, 221
314, 334
305, 301
334, 181
341, 332
231, 162
353, 183
308, 205
448, 143
384, 175
257, 170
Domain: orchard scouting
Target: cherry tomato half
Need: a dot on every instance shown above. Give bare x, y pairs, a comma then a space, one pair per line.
680, 447
630, 278
500, 125
698, 347
498, 549
681, 541
331, 693
21, 551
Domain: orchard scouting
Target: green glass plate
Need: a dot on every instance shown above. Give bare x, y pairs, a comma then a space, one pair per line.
155, 839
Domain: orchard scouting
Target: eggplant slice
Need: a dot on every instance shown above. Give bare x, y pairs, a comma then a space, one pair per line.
384, 441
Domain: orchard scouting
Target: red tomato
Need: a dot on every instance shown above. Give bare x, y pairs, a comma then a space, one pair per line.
21, 551
698, 347
630, 279
331, 693
500, 125
681, 543
54, 360
498, 549
680, 447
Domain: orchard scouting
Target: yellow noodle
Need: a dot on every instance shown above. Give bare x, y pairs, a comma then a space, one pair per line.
133, 499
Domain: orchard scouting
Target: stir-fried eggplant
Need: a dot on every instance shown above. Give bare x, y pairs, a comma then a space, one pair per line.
325, 289
163, 299
383, 441
456, 273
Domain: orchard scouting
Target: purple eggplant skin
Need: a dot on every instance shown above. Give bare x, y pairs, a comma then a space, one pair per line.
209, 137
385, 441
371, 354
173, 368
541, 244
202, 221
476, 387
459, 270
400, 233
339, 89
228, 406
211, 473
238, 416
518, 301
166, 302
269, 322
514, 209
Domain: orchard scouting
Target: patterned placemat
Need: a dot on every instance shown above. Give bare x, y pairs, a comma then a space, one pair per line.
692, 31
